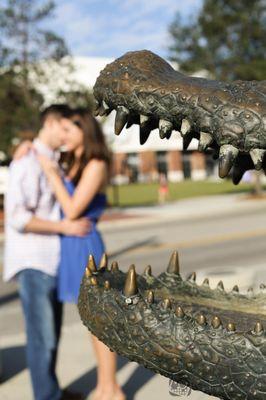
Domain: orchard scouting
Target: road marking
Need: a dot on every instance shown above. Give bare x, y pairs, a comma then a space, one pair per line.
199, 242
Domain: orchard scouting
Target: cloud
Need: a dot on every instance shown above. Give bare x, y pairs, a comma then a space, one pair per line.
112, 27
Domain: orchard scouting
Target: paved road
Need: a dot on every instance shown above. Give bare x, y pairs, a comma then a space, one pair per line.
233, 247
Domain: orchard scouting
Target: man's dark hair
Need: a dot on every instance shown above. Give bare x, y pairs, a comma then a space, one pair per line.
58, 111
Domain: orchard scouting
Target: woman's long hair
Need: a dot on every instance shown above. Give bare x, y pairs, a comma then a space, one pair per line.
94, 144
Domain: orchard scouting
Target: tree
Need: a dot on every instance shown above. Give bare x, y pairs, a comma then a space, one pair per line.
33, 60
24, 41
227, 38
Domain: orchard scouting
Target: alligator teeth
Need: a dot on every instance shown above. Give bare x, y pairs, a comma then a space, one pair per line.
91, 264
147, 271
165, 128
201, 319
107, 285
166, 304
220, 286
185, 127
205, 141
231, 327
94, 281
192, 277
206, 282
186, 141
143, 120
235, 289
144, 134
114, 266
104, 261
150, 297
88, 272
216, 322
104, 109
227, 156
173, 266
257, 156
121, 119
179, 312
131, 287
258, 328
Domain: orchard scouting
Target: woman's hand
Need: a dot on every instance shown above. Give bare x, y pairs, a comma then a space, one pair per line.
80, 227
48, 166
23, 149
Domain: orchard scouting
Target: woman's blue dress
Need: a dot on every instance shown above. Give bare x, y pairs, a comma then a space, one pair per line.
76, 250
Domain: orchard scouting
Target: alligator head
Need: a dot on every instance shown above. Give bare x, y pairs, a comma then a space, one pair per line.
230, 118
210, 340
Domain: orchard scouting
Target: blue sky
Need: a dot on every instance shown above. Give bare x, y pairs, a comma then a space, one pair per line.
109, 28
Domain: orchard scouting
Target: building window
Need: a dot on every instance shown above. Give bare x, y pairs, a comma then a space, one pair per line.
162, 164
133, 166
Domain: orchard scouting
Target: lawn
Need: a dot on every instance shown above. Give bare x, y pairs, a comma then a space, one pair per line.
139, 194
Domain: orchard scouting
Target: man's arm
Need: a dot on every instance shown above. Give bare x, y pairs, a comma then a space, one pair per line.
22, 201
79, 227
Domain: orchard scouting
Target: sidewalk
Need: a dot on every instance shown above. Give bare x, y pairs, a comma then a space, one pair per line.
187, 209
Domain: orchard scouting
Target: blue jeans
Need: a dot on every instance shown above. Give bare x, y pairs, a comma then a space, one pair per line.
43, 318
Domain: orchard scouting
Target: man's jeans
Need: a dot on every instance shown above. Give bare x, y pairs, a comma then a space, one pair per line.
43, 317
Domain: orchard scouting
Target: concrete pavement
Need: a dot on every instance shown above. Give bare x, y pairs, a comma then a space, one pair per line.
180, 224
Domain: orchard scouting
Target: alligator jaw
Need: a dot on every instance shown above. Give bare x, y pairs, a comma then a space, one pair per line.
210, 340
230, 117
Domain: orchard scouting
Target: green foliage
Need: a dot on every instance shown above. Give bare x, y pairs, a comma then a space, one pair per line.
228, 38
35, 70
17, 114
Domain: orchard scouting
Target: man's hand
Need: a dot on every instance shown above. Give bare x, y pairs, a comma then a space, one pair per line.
22, 150
79, 227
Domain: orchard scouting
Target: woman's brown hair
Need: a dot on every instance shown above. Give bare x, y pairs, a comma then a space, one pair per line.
94, 143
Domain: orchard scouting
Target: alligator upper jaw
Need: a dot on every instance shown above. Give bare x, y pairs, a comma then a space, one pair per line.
146, 90
167, 325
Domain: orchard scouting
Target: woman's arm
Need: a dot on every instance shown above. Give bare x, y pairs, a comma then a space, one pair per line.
91, 181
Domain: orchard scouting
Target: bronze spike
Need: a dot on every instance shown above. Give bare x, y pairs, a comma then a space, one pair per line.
114, 266
91, 264
104, 261
88, 272
258, 327
231, 327
173, 266
216, 322
147, 271
201, 319
206, 282
150, 297
220, 286
130, 286
121, 119
179, 312
192, 277
235, 289
166, 303
94, 281
107, 285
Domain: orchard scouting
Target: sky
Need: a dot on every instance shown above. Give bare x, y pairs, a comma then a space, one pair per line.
109, 28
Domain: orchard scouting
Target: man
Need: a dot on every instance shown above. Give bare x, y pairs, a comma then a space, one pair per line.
32, 251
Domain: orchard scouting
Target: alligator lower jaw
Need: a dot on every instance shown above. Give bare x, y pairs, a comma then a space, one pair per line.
169, 326
226, 117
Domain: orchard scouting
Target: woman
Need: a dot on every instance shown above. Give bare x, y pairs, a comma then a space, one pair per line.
82, 193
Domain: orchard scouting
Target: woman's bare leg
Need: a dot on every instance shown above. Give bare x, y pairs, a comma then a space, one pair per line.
107, 387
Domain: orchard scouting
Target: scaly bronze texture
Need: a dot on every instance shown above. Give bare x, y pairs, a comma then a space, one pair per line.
227, 117
210, 340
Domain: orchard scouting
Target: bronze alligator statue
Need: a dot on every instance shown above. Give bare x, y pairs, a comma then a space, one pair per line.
209, 340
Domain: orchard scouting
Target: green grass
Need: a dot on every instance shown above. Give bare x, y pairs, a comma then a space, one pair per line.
139, 194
